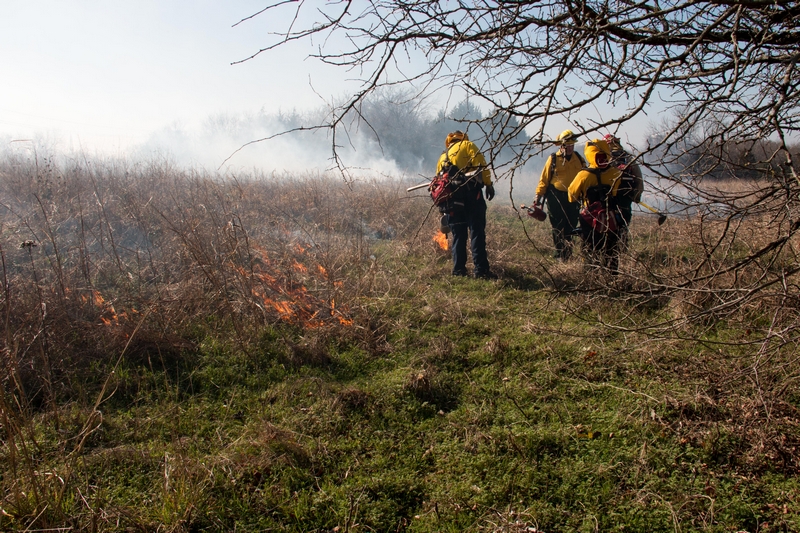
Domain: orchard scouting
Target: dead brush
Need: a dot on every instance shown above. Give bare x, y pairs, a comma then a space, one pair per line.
353, 400
114, 244
429, 386
422, 383
441, 349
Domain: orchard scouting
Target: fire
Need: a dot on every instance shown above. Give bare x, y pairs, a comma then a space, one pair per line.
342, 320
281, 289
441, 239
108, 315
98, 299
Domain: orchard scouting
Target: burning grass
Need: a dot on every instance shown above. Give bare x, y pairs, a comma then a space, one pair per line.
187, 352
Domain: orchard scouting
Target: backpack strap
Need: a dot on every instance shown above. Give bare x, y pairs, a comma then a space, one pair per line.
448, 162
553, 157
605, 190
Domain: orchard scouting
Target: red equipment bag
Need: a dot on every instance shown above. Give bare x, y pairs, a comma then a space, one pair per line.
448, 186
599, 217
441, 189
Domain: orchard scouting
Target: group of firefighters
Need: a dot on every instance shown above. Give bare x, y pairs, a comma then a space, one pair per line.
591, 196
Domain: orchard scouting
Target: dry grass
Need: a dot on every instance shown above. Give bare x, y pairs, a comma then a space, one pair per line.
142, 263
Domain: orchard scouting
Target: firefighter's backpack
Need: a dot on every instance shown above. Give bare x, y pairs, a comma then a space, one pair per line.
600, 215
449, 188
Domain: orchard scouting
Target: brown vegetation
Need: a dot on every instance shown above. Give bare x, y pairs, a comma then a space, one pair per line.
105, 264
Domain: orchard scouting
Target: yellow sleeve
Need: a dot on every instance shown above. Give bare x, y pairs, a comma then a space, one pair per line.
577, 188
544, 178
487, 177
478, 160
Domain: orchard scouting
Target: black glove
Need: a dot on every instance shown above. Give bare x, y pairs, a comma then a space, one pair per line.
489, 192
537, 201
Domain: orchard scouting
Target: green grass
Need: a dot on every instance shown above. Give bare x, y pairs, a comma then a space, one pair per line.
471, 420
533, 403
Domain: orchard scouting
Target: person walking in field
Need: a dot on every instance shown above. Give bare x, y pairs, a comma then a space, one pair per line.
557, 175
595, 188
631, 184
466, 214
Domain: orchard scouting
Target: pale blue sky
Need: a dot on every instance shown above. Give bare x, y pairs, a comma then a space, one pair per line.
97, 76
109, 73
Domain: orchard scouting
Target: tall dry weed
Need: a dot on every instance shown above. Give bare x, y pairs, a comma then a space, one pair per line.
105, 259
101, 261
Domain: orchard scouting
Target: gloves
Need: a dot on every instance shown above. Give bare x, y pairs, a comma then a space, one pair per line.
489, 192
537, 201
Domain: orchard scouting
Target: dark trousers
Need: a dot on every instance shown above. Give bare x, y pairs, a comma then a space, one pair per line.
469, 223
602, 249
563, 216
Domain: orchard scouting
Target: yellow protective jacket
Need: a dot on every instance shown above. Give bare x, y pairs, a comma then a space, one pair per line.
565, 172
466, 156
586, 179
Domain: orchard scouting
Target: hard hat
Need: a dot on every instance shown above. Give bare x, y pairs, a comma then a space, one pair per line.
456, 136
612, 140
566, 137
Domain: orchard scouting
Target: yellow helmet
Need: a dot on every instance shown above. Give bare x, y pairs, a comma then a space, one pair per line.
454, 137
566, 137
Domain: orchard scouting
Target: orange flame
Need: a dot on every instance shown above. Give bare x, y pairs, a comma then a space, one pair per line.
441, 239
274, 288
108, 315
342, 320
98, 299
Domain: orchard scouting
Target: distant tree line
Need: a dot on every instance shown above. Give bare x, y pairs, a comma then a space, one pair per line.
696, 157
390, 125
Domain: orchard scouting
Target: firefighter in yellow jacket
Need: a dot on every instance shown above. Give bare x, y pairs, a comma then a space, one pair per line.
557, 175
595, 189
467, 218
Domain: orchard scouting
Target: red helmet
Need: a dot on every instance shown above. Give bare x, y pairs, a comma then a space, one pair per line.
612, 140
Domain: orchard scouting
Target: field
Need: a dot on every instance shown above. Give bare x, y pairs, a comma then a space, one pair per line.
186, 352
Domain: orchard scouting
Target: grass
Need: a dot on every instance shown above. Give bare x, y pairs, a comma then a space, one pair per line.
184, 353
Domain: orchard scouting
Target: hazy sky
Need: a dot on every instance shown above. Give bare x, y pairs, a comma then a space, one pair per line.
94, 76
108, 73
